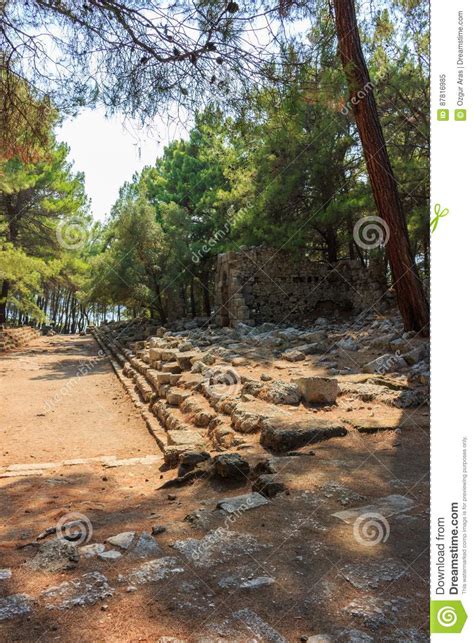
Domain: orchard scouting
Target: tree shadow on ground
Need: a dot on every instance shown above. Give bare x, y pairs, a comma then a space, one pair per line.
299, 543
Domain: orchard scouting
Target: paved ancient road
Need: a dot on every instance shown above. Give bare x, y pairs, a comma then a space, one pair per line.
59, 400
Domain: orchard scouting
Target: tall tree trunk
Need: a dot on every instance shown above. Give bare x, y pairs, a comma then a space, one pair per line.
205, 293
331, 241
410, 296
193, 298
3, 301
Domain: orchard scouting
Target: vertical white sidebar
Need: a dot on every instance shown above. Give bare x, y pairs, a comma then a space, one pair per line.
452, 259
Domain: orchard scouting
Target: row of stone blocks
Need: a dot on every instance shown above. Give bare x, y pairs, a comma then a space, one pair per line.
188, 419
11, 338
180, 385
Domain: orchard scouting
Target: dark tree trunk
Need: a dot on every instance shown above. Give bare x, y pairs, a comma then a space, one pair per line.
3, 301
410, 296
206, 299
192, 298
331, 241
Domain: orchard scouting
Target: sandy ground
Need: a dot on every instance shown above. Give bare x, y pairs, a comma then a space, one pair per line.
49, 414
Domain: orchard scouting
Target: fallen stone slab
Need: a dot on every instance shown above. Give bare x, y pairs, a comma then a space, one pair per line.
152, 571
386, 506
371, 574
248, 417
217, 546
185, 437
15, 605
32, 467
129, 462
284, 434
245, 502
88, 589
22, 474
373, 425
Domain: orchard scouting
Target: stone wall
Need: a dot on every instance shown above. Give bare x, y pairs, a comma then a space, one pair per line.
262, 284
16, 337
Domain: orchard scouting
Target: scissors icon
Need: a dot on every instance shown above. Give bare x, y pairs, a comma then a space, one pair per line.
438, 214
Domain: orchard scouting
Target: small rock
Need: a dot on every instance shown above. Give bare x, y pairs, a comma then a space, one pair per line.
294, 356
269, 485
112, 554
265, 377
239, 361
231, 466
318, 390
257, 583
89, 551
158, 529
265, 466
348, 344
122, 540
146, 546
172, 496
189, 459
5, 574
55, 555
387, 363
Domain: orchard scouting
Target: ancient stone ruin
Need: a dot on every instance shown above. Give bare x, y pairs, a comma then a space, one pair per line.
16, 337
263, 284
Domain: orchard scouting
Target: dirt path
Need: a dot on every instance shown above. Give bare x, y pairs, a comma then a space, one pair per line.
61, 400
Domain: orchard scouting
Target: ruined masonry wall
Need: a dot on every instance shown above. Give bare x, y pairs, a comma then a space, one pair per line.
15, 337
262, 284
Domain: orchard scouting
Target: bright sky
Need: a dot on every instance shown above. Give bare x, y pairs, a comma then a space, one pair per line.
109, 152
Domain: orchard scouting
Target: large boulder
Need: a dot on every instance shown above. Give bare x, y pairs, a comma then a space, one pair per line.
318, 390
285, 434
